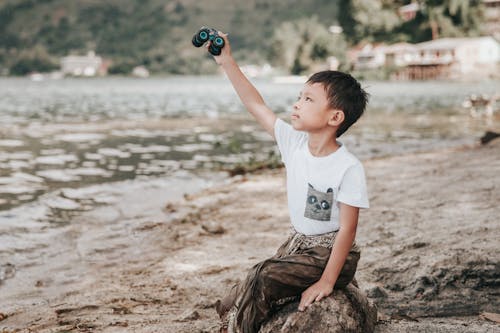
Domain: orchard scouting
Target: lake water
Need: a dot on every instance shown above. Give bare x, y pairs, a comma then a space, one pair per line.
60, 135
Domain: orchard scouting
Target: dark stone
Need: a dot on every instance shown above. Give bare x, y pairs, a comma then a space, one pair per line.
489, 136
376, 292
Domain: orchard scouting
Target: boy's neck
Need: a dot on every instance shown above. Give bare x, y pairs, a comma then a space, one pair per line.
322, 145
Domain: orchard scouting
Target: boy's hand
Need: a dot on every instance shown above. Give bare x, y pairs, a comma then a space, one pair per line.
315, 293
225, 55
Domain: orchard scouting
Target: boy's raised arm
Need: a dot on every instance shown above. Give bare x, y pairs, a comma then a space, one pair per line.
248, 94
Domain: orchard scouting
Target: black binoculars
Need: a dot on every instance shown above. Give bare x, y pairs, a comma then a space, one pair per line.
209, 34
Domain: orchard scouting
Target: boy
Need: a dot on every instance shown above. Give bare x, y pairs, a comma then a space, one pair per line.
325, 186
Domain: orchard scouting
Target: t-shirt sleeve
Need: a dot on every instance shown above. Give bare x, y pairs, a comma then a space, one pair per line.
353, 189
287, 139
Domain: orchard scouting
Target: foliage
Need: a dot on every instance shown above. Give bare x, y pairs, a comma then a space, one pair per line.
298, 45
154, 33
292, 34
377, 20
36, 60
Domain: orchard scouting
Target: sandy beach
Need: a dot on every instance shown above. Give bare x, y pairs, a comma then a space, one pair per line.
430, 254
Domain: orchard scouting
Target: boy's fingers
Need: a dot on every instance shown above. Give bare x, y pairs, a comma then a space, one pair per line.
223, 35
303, 304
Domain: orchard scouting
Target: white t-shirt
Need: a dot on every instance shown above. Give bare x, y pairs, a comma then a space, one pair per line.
316, 185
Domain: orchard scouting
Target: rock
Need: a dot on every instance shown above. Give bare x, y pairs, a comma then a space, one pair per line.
462, 285
494, 317
188, 315
489, 136
7, 271
377, 292
346, 310
213, 228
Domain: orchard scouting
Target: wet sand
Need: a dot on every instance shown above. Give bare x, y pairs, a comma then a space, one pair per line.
429, 249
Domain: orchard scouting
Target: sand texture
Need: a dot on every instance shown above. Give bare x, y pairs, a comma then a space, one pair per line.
430, 252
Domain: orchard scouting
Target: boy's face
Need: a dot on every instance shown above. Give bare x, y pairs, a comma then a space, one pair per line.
312, 111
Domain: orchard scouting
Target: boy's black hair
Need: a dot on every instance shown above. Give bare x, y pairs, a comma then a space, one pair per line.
344, 93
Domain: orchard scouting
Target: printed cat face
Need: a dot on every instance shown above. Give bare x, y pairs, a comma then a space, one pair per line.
319, 204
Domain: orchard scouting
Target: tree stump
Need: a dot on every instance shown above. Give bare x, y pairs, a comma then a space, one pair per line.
345, 310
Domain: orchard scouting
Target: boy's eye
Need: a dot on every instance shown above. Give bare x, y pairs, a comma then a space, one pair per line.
308, 99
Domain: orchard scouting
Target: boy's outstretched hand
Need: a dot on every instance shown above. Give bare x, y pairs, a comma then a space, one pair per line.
315, 293
225, 54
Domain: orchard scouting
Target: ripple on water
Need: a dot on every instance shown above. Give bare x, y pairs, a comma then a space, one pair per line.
27, 177
90, 172
112, 152
93, 156
80, 137
54, 151
56, 159
189, 148
126, 168
19, 189
138, 149
11, 143
60, 175
139, 133
18, 155
210, 137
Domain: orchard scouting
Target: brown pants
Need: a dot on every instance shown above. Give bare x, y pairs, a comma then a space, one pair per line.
278, 280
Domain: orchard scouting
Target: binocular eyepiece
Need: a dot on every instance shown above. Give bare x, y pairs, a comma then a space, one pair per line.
208, 34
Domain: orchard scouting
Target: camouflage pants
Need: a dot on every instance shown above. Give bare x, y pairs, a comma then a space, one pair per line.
270, 284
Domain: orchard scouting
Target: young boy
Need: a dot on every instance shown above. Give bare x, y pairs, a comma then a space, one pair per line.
325, 186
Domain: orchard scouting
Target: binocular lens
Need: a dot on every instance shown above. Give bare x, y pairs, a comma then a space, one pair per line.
218, 41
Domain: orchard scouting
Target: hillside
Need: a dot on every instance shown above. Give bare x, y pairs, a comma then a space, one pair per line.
292, 34
156, 33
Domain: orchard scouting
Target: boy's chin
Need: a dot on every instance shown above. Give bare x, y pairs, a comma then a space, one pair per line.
295, 124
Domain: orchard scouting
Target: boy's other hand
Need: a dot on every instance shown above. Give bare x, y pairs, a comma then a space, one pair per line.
315, 293
225, 54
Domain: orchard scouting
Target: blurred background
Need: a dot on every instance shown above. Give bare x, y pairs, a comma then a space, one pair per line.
98, 93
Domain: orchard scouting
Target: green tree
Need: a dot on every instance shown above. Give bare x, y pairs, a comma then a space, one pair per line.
36, 60
452, 18
377, 20
368, 19
298, 45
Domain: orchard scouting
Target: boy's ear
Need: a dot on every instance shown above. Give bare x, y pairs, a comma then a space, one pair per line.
336, 118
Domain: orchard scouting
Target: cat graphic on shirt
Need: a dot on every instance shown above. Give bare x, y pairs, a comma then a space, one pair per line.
319, 204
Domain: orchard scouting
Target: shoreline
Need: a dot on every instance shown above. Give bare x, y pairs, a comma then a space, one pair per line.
145, 273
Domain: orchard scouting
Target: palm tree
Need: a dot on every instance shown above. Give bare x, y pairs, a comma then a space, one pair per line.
448, 14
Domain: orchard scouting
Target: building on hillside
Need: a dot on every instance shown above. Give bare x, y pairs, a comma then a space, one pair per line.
453, 58
370, 57
140, 71
445, 58
400, 54
492, 18
88, 65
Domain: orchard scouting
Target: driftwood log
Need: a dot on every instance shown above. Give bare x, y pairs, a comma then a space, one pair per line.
346, 310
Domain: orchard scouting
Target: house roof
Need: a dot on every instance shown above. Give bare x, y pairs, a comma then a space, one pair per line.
449, 43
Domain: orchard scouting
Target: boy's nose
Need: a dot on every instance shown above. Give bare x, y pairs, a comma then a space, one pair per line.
296, 105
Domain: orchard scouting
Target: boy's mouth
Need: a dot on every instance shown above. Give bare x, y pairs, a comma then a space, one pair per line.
295, 116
